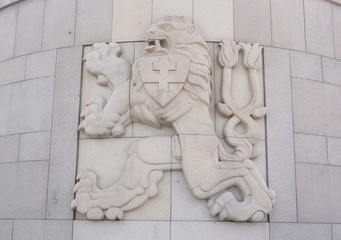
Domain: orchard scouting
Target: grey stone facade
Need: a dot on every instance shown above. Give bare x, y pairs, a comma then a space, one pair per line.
41, 50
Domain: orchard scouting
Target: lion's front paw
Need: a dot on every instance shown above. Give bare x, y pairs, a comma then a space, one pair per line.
93, 126
216, 205
97, 123
95, 105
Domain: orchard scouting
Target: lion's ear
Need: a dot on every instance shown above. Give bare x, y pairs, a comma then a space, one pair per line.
192, 29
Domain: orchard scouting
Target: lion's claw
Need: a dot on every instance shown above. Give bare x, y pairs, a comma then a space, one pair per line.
114, 214
95, 214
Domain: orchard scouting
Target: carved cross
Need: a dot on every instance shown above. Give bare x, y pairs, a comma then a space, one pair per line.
163, 66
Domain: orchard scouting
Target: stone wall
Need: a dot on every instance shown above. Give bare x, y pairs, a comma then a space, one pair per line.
41, 50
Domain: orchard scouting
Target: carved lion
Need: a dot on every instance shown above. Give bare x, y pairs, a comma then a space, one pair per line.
170, 86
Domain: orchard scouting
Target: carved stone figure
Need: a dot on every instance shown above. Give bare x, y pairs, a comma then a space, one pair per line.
171, 86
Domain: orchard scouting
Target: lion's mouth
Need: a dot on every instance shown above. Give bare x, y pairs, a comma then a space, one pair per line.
157, 45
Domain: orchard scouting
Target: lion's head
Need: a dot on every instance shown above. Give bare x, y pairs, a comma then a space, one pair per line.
178, 36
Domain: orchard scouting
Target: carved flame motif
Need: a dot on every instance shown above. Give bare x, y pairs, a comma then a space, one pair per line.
171, 86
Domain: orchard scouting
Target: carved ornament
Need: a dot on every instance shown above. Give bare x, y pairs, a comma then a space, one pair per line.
171, 86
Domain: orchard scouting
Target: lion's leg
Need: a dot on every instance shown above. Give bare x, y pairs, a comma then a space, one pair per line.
117, 108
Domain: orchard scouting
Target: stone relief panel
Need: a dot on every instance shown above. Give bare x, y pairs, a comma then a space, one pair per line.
171, 86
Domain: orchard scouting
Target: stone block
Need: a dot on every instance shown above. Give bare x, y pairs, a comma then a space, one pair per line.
9, 148
139, 50
280, 145
252, 21
23, 189
163, 8
28, 106
29, 27
331, 70
214, 28
311, 149
59, 24
93, 22
219, 231
8, 20
131, 20
34, 146
185, 206
42, 229
299, 231
41, 64
319, 27
337, 29
334, 151
128, 230
128, 52
305, 65
12, 70
6, 228
288, 24
318, 193
63, 156
336, 231
315, 108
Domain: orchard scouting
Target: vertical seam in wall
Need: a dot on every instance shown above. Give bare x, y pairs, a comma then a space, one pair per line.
322, 69
19, 147
327, 150
78, 133
74, 27
293, 135
51, 134
12, 229
171, 191
332, 12
265, 131
16, 29
271, 22
193, 11
305, 32
265, 122
42, 29
331, 231
131, 117
214, 85
111, 26
152, 12
233, 20
25, 67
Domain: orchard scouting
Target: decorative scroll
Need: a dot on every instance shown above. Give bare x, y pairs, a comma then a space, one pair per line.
171, 86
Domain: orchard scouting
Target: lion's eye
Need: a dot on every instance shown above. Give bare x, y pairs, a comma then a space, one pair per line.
168, 28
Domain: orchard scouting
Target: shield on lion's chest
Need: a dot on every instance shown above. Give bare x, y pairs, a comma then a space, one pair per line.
164, 76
